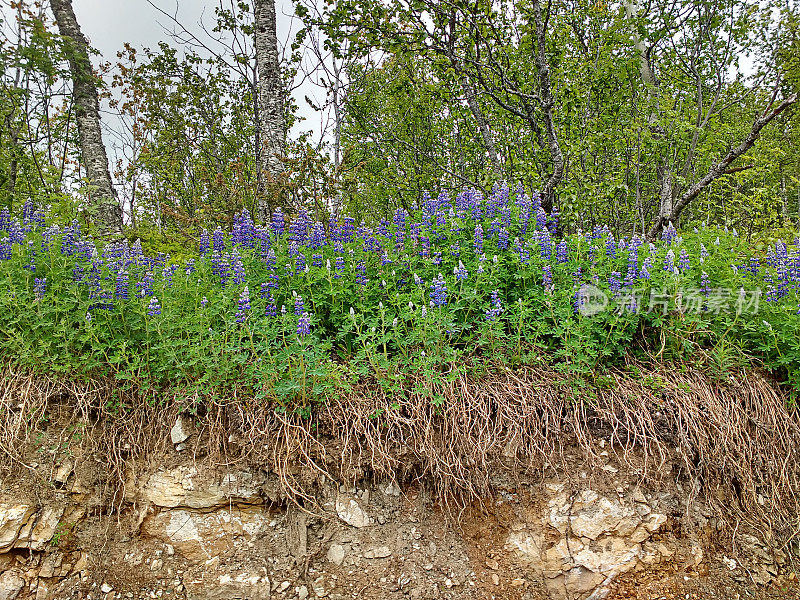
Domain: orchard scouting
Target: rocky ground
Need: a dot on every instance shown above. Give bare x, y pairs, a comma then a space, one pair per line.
185, 529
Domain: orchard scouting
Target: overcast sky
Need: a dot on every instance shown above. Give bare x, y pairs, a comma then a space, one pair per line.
110, 23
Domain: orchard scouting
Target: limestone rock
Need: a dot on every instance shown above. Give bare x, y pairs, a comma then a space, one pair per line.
181, 431
350, 511
13, 517
190, 488
11, 584
378, 552
201, 536
336, 554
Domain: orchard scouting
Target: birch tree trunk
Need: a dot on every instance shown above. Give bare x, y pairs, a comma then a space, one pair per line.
103, 206
272, 122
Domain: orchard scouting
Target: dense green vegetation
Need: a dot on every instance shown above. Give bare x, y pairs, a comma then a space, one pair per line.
292, 313
629, 121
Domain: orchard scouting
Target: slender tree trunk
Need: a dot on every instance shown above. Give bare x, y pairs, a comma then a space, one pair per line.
272, 122
548, 110
103, 206
483, 126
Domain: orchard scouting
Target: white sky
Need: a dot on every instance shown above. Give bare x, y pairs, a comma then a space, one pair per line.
110, 23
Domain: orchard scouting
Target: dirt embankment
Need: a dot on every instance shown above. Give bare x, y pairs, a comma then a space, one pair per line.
513, 490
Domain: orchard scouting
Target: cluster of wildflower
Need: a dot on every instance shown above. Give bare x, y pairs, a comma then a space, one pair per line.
288, 260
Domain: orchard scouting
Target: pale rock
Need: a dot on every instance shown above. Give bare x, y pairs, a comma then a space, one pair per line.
392, 489
378, 552
11, 585
105, 588
190, 488
63, 472
13, 517
349, 511
180, 432
40, 528
302, 592
336, 554
603, 517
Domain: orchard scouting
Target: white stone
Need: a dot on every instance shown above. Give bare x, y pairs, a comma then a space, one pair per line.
336, 554
180, 431
351, 512
105, 588
378, 552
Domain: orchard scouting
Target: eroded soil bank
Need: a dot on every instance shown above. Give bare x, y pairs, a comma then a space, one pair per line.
634, 499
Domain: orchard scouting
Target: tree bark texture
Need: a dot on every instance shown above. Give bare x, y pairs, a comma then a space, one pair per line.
272, 122
103, 206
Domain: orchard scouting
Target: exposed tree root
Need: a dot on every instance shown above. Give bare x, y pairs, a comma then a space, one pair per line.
736, 439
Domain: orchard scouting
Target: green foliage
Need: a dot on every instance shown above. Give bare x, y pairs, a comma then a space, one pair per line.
379, 308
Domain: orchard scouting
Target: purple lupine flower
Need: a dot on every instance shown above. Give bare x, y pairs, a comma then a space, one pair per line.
438, 291
547, 277
502, 238
27, 215
669, 233
561, 252
189, 267
237, 267
385, 260
205, 242
154, 308
669, 261
299, 263
244, 305
522, 251
317, 239
541, 219
615, 282
316, 260
219, 240
278, 222
339, 267
299, 306
633, 263
437, 258
683, 262
31, 266
478, 239
545, 245
496, 308
304, 325
70, 239
460, 271
243, 232
271, 310
145, 285
298, 229
361, 273
168, 272
703, 253
611, 247
47, 237
5, 250
204, 302
5, 219
121, 286
39, 287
